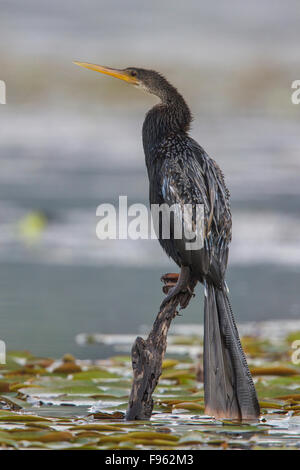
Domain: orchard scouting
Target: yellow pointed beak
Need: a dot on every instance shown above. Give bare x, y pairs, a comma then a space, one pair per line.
121, 74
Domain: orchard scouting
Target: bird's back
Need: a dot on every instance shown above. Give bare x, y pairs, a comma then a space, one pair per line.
181, 173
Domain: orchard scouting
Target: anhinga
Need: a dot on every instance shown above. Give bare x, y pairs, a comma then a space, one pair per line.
181, 172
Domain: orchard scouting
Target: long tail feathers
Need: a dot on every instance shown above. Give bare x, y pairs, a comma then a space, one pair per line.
228, 386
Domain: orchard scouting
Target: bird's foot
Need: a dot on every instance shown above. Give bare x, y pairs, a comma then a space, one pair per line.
169, 280
175, 284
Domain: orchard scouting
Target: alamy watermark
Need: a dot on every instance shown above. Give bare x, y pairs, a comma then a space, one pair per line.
178, 221
295, 97
296, 354
2, 92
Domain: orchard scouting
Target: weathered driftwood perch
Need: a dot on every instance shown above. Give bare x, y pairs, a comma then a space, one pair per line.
147, 356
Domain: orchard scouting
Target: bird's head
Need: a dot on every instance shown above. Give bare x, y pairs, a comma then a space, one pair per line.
148, 80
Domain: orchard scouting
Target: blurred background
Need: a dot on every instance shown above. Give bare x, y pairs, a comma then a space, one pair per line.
70, 139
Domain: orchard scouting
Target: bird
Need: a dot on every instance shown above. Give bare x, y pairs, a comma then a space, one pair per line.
181, 173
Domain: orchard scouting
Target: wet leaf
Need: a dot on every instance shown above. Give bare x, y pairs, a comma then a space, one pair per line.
280, 370
44, 407
94, 374
189, 406
295, 397
42, 436
153, 435
18, 417
114, 415
96, 427
167, 363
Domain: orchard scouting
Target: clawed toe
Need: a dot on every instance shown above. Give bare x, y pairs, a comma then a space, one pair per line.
176, 284
171, 293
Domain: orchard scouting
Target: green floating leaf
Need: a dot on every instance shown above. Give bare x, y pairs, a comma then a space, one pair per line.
177, 422
19, 417
193, 437
271, 404
95, 427
189, 406
42, 436
112, 416
94, 374
295, 397
168, 363
177, 374
57, 386
278, 370
153, 435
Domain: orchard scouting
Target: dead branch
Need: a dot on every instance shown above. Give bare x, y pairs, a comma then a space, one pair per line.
147, 356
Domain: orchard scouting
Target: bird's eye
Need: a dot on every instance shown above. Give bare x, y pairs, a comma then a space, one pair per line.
133, 73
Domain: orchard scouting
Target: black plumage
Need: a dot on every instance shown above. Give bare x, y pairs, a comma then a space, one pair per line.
180, 173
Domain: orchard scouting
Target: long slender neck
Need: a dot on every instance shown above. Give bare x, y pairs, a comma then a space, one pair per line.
171, 115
